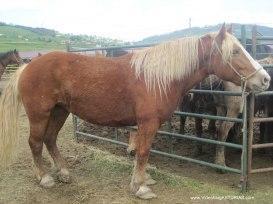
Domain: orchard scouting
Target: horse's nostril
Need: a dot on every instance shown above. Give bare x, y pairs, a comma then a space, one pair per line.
266, 80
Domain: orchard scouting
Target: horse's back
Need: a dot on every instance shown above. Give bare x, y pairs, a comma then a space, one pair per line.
95, 88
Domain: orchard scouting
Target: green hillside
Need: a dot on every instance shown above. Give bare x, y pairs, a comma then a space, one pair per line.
26, 38
266, 31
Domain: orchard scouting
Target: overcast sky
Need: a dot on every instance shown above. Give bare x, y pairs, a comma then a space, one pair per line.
132, 20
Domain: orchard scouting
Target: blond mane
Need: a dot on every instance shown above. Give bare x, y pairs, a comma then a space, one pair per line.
175, 60
166, 62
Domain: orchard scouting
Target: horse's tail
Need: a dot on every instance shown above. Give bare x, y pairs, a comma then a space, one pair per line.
10, 103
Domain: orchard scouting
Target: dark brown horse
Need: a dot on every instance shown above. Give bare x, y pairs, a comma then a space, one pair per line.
141, 89
7, 58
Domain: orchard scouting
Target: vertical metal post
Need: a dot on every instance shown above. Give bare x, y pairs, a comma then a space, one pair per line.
254, 42
243, 35
243, 180
67, 44
250, 132
111, 53
116, 133
75, 126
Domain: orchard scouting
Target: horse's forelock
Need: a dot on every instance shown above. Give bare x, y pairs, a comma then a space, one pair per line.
227, 46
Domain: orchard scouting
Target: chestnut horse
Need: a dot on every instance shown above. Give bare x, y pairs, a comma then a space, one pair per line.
142, 88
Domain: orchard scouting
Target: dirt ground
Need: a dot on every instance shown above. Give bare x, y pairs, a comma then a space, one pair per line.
95, 179
101, 173
102, 177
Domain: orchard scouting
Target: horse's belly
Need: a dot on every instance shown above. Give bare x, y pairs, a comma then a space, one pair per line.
109, 111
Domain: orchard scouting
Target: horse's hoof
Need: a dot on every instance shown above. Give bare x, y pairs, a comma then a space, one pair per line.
63, 176
149, 181
131, 152
47, 181
145, 192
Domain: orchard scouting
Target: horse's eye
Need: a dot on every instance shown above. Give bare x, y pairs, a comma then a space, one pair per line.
236, 52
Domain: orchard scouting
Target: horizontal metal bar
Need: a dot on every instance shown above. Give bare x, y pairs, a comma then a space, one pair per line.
264, 93
228, 93
267, 65
205, 140
258, 120
102, 138
211, 117
264, 37
260, 170
260, 146
167, 154
263, 44
264, 53
75, 49
198, 161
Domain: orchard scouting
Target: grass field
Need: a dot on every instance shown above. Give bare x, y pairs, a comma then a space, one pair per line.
30, 46
38, 39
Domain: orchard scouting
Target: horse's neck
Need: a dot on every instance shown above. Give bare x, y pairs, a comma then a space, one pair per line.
4, 62
193, 80
2, 70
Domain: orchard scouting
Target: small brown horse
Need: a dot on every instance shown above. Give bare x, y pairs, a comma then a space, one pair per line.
142, 88
7, 58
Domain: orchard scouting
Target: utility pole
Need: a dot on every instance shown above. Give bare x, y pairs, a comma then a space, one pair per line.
189, 27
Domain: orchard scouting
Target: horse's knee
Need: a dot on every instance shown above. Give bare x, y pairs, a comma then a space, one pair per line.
143, 153
35, 143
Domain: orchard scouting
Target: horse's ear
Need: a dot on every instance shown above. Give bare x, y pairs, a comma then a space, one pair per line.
229, 30
222, 33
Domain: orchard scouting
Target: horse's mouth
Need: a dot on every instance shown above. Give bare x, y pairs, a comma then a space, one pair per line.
259, 88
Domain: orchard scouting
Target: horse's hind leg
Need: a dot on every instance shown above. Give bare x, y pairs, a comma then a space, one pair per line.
57, 118
38, 125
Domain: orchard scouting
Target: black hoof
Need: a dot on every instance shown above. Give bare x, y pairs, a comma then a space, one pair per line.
131, 152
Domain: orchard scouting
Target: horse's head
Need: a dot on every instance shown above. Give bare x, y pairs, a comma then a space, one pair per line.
14, 57
227, 58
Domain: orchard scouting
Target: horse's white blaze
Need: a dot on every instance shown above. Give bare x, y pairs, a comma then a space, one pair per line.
261, 79
254, 63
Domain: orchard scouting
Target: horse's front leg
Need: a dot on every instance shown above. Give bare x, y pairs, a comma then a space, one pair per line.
199, 131
145, 135
222, 132
131, 149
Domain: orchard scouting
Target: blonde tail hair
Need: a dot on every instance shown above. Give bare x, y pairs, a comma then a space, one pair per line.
10, 104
